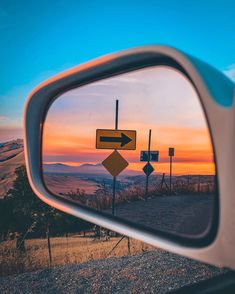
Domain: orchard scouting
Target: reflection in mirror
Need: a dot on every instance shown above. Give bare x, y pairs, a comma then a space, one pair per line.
136, 146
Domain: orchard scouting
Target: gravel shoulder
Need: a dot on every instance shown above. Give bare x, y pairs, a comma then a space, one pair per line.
151, 272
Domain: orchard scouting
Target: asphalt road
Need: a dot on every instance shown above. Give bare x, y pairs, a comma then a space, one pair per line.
188, 214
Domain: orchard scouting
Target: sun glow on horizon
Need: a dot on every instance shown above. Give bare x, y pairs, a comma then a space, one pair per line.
176, 119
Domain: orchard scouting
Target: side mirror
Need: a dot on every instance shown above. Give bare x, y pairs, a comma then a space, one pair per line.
142, 143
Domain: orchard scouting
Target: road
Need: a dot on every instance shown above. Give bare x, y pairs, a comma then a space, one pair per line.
185, 214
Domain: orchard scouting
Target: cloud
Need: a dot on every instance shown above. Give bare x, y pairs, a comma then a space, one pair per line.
8, 133
230, 72
3, 118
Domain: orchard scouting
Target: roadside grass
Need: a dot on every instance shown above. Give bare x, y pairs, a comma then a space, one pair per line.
65, 250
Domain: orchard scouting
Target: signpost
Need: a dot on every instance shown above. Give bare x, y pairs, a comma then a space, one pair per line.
171, 154
148, 168
115, 139
115, 163
153, 156
171, 151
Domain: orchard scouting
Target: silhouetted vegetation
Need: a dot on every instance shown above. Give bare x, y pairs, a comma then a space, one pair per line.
24, 215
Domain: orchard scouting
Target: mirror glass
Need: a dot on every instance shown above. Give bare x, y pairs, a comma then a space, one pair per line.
136, 146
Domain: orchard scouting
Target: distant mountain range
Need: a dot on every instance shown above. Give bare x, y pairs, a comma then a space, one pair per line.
12, 156
85, 168
64, 168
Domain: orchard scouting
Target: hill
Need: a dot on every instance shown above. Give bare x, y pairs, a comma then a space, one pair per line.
11, 156
84, 169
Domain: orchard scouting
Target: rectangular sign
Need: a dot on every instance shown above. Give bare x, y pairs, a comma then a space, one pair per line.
115, 139
153, 156
171, 151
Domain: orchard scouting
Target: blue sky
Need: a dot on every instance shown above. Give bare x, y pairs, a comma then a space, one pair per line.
42, 38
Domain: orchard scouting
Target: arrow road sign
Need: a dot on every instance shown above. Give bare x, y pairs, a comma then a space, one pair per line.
123, 139
115, 139
115, 163
148, 169
153, 156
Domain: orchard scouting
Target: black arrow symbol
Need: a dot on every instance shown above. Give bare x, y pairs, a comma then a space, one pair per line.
123, 139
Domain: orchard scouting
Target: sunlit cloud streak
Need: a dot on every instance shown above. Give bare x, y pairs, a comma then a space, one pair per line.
158, 98
8, 133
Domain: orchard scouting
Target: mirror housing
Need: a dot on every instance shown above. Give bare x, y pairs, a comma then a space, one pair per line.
216, 93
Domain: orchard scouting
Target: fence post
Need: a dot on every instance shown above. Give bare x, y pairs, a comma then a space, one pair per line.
162, 181
49, 244
129, 246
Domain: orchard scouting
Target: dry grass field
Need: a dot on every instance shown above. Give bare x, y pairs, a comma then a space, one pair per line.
65, 250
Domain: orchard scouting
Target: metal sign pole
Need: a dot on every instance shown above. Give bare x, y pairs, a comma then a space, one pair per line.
171, 154
147, 175
114, 178
114, 194
170, 172
116, 116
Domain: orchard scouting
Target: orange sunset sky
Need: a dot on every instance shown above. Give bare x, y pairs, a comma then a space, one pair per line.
156, 98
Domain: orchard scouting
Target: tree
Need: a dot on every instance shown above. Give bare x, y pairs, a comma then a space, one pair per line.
26, 210
24, 213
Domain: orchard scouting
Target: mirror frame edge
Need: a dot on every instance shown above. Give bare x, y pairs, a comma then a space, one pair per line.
42, 96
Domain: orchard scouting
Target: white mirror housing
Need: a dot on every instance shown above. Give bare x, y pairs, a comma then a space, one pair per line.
216, 93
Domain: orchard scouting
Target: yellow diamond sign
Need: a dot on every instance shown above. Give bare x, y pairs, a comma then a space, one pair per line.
115, 163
